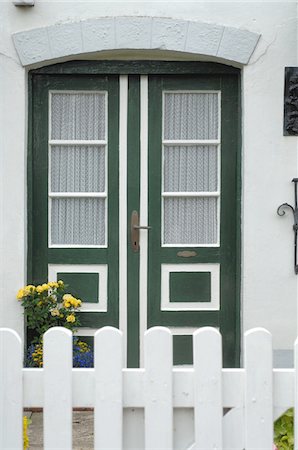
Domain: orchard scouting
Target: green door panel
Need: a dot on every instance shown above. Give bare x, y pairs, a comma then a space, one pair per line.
190, 287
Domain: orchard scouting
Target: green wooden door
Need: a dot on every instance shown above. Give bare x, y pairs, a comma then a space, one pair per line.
192, 264
73, 221
105, 147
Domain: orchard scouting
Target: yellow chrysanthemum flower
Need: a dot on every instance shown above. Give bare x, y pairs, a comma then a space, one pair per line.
39, 289
68, 300
30, 288
55, 312
70, 318
60, 283
20, 294
26, 290
76, 303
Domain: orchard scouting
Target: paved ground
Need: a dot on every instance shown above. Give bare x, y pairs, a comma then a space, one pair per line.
82, 430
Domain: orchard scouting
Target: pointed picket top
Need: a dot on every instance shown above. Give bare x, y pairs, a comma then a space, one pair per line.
207, 388
158, 388
258, 390
108, 413
11, 389
57, 363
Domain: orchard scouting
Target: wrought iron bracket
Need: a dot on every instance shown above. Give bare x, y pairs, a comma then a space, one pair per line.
281, 212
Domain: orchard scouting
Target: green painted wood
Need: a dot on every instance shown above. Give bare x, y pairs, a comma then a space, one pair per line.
133, 204
227, 319
97, 75
39, 255
136, 67
84, 286
182, 349
190, 287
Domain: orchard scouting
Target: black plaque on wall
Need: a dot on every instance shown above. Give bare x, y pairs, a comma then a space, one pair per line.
291, 102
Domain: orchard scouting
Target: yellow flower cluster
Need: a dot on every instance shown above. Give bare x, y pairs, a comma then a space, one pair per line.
69, 300
37, 355
25, 291
30, 289
83, 346
25, 432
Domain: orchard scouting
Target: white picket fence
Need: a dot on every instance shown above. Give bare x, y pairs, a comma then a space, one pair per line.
155, 407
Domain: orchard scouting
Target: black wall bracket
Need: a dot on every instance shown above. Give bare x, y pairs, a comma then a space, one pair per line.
281, 212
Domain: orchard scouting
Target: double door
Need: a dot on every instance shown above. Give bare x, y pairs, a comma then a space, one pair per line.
134, 202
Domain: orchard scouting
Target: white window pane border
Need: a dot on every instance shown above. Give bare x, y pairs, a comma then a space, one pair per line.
191, 133
77, 174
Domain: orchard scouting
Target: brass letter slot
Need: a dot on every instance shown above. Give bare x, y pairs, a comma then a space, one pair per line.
186, 254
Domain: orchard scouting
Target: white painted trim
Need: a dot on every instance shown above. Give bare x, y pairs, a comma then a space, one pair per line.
191, 245
84, 142
123, 107
77, 246
192, 91
77, 194
167, 305
185, 143
85, 331
182, 331
219, 168
191, 194
100, 269
77, 91
143, 295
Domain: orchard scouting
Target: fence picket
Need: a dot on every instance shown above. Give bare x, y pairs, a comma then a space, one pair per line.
158, 389
108, 396
208, 389
258, 389
11, 390
57, 361
296, 392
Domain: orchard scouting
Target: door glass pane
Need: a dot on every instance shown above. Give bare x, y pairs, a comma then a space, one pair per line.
78, 116
78, 221
190, 220
78, 168
190, 115
190, 168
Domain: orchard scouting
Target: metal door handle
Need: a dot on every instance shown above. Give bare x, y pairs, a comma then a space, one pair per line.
135, 231
142, 227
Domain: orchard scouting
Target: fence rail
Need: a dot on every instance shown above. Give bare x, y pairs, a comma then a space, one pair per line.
156, 407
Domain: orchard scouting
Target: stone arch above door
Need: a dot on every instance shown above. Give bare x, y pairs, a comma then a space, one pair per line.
192, 38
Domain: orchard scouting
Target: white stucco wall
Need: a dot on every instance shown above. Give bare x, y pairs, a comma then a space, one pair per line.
269, 160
